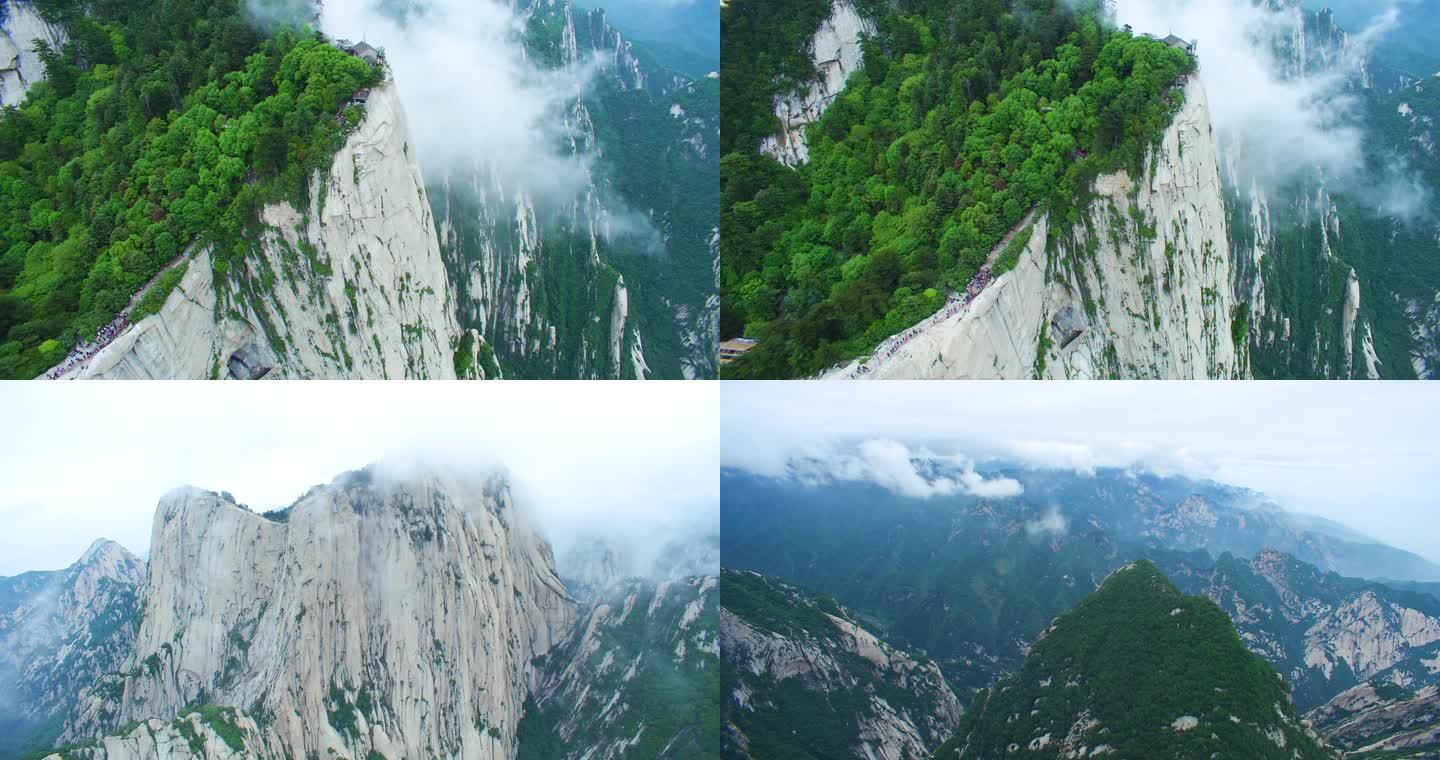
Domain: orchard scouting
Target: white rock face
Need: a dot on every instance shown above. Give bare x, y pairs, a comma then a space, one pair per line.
353, 288
60, 630
638, 637
1347, 324
1144, 306
835, 51
181, 739
1368, 635
388, 612
20, 28
822, 661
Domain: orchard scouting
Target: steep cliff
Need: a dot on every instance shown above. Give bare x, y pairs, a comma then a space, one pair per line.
1139, 289
353, 287
20, 28
615, 280
788, 654
394, 611
1376, 719
835, 51
59, 631
1339, 264
1323, 631
639, 678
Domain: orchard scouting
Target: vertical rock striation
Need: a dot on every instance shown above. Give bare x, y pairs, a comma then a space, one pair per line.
352, 287
835, 51
394, 611
59, 631
1139, 289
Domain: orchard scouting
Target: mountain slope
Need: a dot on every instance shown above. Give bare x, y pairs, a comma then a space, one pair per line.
353, 286
638, 678
803, 679
1324, 632
1382, 720
973, 581
59, 631
1137, 670
913, 189
1140, 288
178, 151
619, 280
1340, 273
387, 612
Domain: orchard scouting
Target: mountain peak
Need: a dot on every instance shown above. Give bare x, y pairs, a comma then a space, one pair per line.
1142, 670
104, 550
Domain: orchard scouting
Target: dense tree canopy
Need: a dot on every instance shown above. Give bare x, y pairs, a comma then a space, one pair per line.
966, 115
160, 125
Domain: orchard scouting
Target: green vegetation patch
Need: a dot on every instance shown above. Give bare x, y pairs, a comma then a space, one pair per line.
966, 115
160, 127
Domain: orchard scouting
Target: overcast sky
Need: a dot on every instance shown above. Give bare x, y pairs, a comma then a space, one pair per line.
1363, 454
80, 461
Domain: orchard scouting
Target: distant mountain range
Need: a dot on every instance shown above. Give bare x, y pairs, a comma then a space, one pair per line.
378, 616
973, 584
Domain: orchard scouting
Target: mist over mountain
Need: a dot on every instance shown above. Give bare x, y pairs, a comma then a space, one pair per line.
985, 584
319, 627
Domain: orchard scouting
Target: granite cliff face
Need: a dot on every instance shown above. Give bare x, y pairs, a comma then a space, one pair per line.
1381, 718
59, 631
575, 286
1324, 632
353, 288
1140, 289
20, 28
778, 641
637, 679
382, 613
835, 51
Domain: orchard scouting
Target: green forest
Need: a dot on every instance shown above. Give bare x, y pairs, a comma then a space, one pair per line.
967, 114
161, 126
1122, 667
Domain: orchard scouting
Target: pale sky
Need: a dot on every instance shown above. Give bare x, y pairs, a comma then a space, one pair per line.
81, 461
1363, 454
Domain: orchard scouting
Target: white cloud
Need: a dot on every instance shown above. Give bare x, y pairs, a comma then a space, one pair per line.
1052, 523
472, 95
1278, 123
892, 465
1360, 454
82, 461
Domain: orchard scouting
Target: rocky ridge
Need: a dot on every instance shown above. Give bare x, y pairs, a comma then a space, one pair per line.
338, 624
353, 288
637, 679
1380, 719
59, 631
782, 645
835, 52
1139, 290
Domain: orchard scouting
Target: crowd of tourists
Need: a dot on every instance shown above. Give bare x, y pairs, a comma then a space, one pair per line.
954, 304
84, 352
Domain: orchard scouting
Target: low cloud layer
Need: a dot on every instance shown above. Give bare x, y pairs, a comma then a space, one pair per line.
83, 461
1359, 454
472, 96
1278, 122
893, 466
1052, 523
